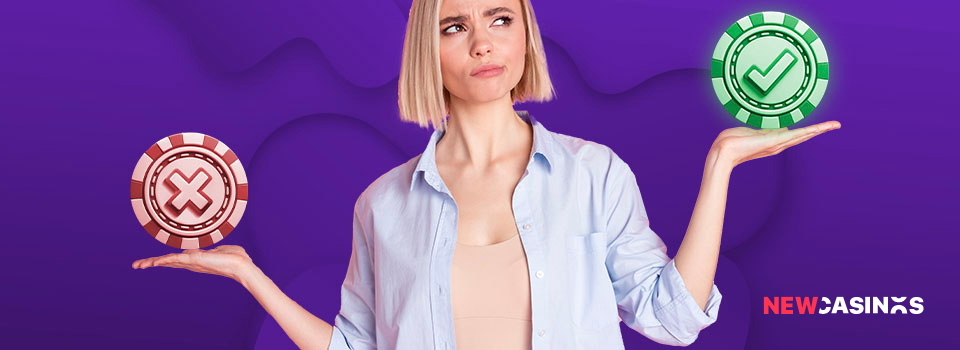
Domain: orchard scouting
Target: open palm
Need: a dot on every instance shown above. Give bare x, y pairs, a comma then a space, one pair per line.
742, 144
225, 260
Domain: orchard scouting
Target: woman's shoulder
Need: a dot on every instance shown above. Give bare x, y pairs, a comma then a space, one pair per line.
585, 154
596, 167
389, 185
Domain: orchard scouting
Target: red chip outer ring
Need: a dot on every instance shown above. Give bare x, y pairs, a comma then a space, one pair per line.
202, 228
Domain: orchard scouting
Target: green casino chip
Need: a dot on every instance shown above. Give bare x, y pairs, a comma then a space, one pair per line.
769, 70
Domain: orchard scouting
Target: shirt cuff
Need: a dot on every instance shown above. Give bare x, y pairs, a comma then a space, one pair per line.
678, 311
338, 341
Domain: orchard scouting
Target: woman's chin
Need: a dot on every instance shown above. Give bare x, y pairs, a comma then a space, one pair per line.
483, 96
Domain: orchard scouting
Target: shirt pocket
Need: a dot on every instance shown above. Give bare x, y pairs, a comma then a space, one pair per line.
593, 304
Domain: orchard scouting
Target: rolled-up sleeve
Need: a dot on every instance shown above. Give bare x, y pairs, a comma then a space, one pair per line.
355, 325
651, 295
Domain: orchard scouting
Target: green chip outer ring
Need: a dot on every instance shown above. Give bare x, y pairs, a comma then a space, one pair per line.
725, 54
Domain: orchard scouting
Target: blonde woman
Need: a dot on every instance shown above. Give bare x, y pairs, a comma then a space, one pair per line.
502, 234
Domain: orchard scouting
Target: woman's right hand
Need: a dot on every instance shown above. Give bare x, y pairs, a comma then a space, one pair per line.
226, 260
305, 329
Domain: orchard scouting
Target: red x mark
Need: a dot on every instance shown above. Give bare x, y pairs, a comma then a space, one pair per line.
189, 191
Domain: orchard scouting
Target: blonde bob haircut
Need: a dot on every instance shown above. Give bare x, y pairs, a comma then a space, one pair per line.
422, 97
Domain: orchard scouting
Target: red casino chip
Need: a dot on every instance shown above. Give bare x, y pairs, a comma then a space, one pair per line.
189, 190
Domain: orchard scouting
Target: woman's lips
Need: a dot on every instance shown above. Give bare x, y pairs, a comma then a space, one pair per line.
487, 70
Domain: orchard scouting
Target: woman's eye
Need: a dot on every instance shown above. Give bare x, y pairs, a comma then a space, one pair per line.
453, 29
456, 28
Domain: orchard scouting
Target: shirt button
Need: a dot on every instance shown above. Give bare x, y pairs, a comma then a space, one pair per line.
542, 332
526, 226
540, 274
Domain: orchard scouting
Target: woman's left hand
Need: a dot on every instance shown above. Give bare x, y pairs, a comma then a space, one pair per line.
740, 144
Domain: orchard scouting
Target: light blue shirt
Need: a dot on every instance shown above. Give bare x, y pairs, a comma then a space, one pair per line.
592, 257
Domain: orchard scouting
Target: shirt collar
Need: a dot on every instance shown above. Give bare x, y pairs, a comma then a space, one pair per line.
543, 144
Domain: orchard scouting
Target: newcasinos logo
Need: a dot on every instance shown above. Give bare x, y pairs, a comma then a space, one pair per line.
841, 305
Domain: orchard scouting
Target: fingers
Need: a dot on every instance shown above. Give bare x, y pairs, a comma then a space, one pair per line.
830, 125
770, 131
144, 263
789, 138
182, 258
796, 141
175, 260
161, 260
805, 135
193, 268
814, 129
167, 259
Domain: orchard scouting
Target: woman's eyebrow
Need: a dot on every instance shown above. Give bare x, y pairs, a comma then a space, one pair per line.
487, 13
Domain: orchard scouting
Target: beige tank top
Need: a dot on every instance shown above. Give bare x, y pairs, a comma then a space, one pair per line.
490, 292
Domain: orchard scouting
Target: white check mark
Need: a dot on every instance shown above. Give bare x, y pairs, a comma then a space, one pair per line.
774, 72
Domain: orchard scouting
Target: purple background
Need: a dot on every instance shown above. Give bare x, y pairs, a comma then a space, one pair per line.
305, 93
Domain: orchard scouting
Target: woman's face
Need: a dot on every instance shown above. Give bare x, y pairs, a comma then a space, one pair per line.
476, 35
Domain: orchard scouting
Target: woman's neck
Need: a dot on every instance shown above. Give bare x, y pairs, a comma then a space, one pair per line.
480, 134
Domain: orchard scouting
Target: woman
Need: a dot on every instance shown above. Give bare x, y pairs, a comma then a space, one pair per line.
502, 234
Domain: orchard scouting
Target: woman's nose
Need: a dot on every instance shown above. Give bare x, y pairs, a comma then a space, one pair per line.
481, 45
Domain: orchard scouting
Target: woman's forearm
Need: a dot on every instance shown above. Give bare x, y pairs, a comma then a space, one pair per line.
696, 259
305, 329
